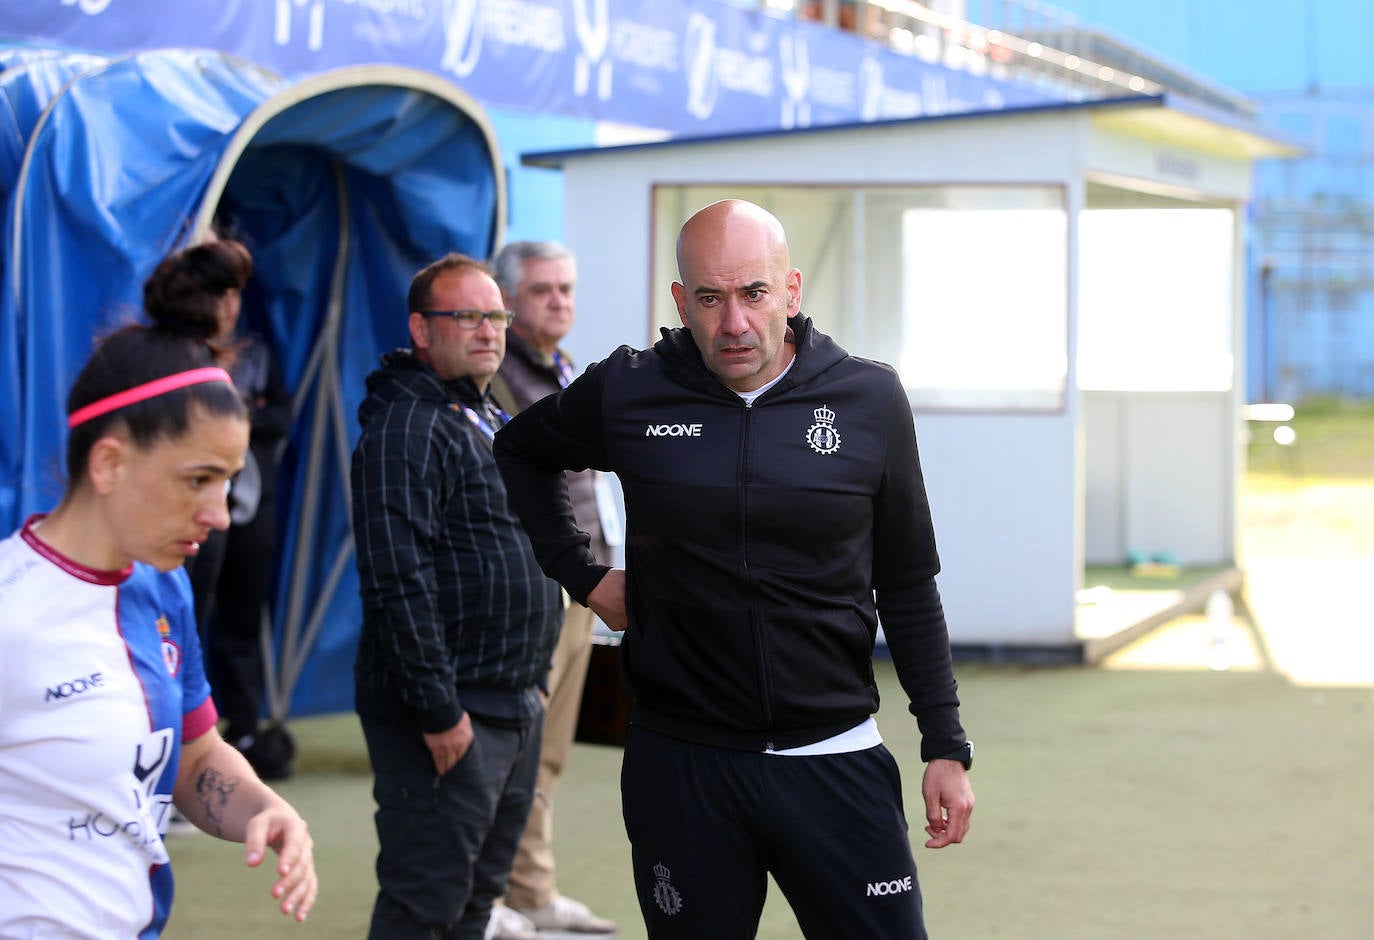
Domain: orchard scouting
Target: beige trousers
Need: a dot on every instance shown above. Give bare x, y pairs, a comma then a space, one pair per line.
532, 878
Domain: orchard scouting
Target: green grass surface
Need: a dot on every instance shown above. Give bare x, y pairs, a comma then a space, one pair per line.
1335, 439
1110, 805
1126, 578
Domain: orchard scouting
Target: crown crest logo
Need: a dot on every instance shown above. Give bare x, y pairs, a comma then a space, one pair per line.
667, 898
822, 436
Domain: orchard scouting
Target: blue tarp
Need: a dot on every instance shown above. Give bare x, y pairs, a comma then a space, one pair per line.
343, 185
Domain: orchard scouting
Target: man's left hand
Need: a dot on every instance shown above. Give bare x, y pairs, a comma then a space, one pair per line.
949, 802
607, 599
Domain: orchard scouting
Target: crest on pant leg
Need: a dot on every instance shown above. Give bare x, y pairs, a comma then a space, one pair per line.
665, 895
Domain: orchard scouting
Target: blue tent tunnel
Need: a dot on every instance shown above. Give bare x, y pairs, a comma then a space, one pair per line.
342, 185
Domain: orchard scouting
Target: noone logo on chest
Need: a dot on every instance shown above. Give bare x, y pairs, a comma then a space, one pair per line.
673, 430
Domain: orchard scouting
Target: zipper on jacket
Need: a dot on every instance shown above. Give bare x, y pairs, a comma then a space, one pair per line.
760, 644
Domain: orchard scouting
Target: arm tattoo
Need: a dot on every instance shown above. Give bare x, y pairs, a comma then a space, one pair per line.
214, 790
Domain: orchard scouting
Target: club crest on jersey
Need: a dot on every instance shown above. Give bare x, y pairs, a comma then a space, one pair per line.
822, 436
171, 653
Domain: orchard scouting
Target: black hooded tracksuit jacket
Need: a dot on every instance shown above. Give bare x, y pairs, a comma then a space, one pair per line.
757, 537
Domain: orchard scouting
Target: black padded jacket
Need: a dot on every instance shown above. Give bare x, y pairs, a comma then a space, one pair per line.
456, 613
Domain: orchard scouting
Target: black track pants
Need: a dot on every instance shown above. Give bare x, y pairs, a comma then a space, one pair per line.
706, 826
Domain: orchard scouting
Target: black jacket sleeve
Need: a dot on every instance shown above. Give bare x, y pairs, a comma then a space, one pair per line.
905, 563
557, 433
398, 491
271, 408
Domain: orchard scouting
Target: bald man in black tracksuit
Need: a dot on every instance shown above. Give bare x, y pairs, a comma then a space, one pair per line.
775, 505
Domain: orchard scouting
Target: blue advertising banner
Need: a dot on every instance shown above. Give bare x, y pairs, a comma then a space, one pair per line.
685, 68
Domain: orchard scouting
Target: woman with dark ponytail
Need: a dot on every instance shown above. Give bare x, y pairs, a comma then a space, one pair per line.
106, 719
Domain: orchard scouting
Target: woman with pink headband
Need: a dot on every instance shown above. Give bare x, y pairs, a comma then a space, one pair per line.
106, 719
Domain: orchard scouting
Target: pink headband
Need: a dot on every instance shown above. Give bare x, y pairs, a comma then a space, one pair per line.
138, 393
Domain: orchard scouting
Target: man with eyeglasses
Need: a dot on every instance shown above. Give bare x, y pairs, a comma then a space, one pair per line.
459, 624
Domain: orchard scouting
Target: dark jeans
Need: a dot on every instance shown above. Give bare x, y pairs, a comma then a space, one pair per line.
447, 843
707, 825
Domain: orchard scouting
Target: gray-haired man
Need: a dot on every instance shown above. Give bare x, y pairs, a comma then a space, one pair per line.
537, 281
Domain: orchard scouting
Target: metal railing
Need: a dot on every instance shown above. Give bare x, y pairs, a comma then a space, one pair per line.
1016, 40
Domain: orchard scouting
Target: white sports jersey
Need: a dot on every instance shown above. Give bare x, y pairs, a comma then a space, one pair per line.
100, 682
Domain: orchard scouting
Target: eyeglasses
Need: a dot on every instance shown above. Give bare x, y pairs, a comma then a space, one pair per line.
472, 319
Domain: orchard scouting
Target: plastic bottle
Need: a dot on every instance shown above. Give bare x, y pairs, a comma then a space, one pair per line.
1219, 612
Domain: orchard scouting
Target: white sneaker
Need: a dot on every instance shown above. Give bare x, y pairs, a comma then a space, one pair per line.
506, 924
565, 914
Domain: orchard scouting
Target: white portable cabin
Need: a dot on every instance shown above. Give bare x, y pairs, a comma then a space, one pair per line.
1059, 286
